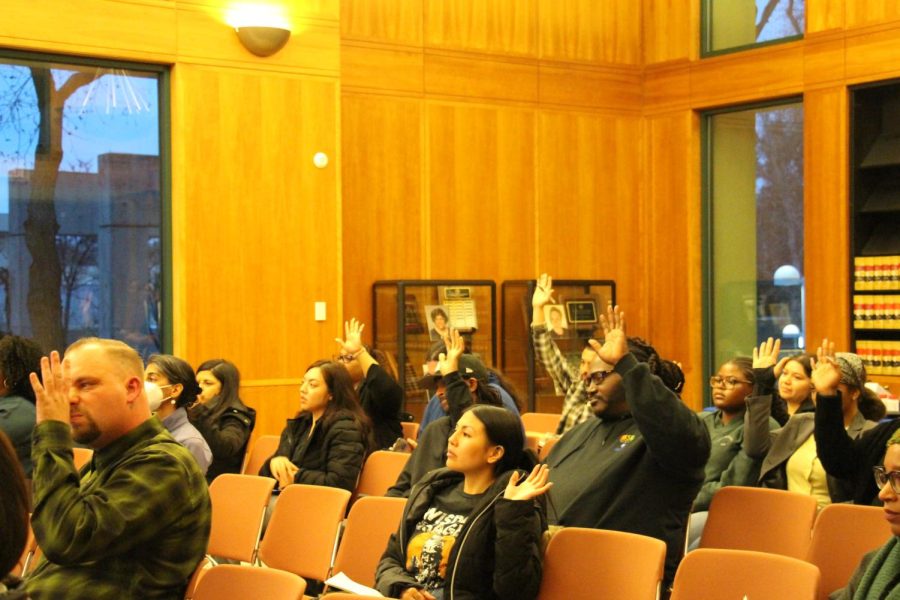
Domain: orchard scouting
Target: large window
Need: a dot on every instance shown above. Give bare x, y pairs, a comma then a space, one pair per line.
81, 189
738, 24
754, 222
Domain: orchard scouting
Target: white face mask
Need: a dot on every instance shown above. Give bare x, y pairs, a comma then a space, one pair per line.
154, 395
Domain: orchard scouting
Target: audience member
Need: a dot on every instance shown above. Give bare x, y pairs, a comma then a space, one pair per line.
567, 381
18, 357
225, 422
878, 574
380, 396
137, 523
791, 460
176, 380
327, 442
14, 516
787, 381
471, 530
464, 382
638, 464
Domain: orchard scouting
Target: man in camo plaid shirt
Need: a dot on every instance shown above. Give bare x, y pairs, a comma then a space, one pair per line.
135, 522
565, 379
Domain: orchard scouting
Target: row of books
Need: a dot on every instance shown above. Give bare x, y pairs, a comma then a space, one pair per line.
880, 358
876, 273
876, 312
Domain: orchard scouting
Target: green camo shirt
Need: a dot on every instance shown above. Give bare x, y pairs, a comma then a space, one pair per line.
135, 524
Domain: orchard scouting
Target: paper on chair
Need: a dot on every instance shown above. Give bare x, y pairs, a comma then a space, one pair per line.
342, 582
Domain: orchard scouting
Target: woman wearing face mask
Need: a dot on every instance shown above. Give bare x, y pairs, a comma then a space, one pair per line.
471, 530
225, 422
790, 454
328, 440
179, 388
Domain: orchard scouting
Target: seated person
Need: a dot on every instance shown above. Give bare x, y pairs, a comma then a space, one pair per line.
18, 357
175, 378
576, 409
473, 529
790, 454
14, 516
137, 523
465, 381
380, 396
327, 442
728, 464
877, 575
219, 414
638, 464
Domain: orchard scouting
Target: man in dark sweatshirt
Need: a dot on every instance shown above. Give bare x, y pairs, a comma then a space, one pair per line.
638, 466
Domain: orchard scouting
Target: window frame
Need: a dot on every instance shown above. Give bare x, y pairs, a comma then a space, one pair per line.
706, 35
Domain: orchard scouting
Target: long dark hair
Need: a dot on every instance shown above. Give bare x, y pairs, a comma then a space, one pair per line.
230, 379
344, 399
503, 428
507, 385
18, 357
177, 370
13, 507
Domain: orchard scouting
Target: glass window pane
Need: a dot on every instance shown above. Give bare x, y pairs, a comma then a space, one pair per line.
80, 204
741, 23
755, 179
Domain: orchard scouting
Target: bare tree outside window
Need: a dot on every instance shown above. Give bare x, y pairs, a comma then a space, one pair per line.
740, 23
80, 197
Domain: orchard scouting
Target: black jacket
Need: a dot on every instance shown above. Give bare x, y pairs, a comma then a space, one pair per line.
382, 397
227, 436
332, 456
497, 555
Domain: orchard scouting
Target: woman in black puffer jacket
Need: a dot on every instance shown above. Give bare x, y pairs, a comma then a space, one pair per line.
472, 530
328, 440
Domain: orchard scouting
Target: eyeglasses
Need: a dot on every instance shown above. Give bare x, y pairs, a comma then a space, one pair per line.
726, 382
882, 477
598, 377
346, 358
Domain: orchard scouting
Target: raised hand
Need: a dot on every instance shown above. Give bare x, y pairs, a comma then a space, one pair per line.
534, 485
51, 396
826, 374
615, 342
767, 353
352, 342
455, 346
543, 293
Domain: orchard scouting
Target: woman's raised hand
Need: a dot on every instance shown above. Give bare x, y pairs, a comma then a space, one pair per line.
533, 486
826, 374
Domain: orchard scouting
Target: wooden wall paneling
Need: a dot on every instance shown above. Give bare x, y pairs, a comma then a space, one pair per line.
872, 54
824, 15
263, 222
674, 251
823, 62
456, 75
867, 12
588, 211
671, 30
383, 224
826, 217
386, 69
610, 88
748, 76
141, 30
275, 403
666, 87
480, 191
590, 31
390, 21
492, 26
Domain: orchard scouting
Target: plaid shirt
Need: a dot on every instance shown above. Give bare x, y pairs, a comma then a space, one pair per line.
135, 524
565, 379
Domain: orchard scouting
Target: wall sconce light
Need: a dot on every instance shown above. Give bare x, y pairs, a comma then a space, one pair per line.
263, 41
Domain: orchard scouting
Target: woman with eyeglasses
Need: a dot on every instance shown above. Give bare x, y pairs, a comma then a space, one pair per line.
728, 464
877, 575
219, 414
380, 396
175, 378
327, 442
790, 454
